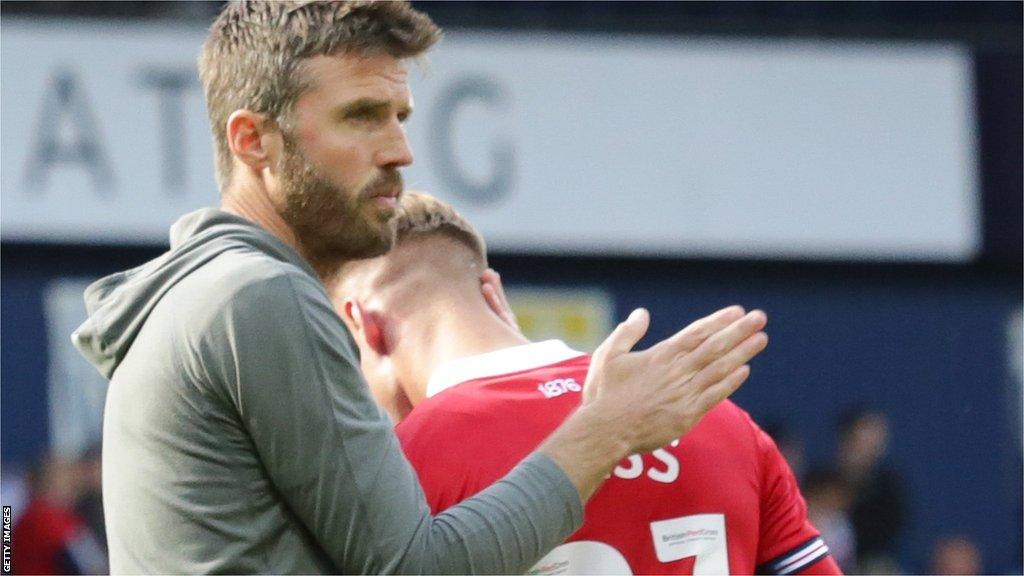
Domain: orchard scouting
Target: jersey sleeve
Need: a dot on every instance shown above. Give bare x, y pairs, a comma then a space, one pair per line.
788, 543
291, 374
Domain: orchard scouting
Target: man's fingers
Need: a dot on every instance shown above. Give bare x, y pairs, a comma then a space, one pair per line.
494, 295
723, 341
690, 337
499, 306
721, 390
740, 355
625, 336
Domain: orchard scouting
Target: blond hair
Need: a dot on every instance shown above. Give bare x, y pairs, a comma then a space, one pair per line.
253, 54
422, 214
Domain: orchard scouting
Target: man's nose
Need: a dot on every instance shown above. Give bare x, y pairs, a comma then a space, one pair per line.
397, 152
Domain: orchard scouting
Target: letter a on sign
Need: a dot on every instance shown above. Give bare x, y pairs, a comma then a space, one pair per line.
66, 134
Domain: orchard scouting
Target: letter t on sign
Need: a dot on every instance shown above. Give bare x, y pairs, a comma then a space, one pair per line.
171, 84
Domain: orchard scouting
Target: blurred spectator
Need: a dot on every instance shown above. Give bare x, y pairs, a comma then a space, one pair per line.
89, 504
878, 510
955, 555
828, 507
50, 538
790, 444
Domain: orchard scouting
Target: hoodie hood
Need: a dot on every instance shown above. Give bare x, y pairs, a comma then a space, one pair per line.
119, 304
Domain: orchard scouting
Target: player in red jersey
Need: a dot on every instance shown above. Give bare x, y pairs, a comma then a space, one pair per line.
473, 396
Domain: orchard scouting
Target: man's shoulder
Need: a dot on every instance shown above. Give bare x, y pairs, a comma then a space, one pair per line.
248, 276
728, 414
729, 432
239, 292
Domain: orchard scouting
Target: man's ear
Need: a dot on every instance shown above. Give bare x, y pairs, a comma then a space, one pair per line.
367, 326
494, 294
253, 139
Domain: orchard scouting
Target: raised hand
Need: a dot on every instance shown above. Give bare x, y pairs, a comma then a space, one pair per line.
665, 390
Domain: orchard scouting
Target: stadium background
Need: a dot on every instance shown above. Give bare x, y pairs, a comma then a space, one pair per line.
931, 339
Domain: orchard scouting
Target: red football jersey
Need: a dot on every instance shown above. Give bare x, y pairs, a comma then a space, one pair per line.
720, 500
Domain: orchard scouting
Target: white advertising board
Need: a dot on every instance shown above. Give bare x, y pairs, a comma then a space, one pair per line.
549, 143
76, 391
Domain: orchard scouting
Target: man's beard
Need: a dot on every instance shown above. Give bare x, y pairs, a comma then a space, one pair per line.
330, 222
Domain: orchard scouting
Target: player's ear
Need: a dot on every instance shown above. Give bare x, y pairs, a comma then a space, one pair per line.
253, 139
347, 311
494, 294
368, 325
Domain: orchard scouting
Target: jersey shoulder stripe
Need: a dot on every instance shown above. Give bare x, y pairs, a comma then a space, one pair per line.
796, 559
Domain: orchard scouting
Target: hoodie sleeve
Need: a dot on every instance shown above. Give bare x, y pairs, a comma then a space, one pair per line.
289, 369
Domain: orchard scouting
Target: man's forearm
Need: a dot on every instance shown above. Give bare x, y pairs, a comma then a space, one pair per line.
585, 449
506, 528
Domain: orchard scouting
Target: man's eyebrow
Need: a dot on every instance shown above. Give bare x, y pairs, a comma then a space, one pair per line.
370, 106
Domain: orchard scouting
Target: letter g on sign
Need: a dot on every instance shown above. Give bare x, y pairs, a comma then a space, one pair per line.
454, 97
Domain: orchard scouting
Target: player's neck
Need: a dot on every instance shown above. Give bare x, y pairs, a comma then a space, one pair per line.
478, 336
450, 337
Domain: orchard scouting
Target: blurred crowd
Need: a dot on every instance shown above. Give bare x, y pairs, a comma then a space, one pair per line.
858, 503
57, 516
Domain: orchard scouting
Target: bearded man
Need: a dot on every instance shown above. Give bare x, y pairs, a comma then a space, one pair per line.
239, 436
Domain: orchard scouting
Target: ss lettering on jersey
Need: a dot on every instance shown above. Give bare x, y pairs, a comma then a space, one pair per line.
559, 386
634, 467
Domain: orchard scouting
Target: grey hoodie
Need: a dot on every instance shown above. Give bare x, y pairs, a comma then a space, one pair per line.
239, 436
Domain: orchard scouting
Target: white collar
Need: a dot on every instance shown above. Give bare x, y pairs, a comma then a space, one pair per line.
498, 362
